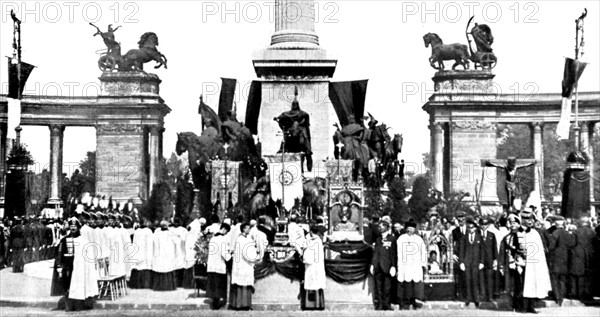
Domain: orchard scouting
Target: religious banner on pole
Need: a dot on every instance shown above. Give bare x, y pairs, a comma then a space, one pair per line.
225, 183
285, 175
339, 171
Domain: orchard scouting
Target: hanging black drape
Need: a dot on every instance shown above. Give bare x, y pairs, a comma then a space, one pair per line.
352, 266
253, 106
226, 97
348, 99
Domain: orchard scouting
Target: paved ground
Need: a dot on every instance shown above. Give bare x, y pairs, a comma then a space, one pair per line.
572, 311
27, 294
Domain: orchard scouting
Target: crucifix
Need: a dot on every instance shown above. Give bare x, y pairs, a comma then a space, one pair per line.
340, 145
510, 167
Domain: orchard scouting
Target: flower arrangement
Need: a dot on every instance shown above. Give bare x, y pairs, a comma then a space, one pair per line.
202, 249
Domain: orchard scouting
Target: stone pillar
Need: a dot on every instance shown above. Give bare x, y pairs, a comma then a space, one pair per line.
153, 149
587, 136
592, 129
473, 141
295, 24
121, 161
437, 155
2, 166
538, 176
56, 149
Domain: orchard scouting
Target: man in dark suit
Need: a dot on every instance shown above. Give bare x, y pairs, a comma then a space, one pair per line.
471, 261
490, 260
457, 235
17, 244
581, 261
558, 263
383, 266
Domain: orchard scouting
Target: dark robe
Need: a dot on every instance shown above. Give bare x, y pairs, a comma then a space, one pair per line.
471, 255
581, 256
558, 263
17, 244
511, 250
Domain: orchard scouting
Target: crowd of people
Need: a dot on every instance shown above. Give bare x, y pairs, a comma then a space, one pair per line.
28, 239
517, 255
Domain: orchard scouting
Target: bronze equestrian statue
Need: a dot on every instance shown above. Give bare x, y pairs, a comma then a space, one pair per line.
295, 125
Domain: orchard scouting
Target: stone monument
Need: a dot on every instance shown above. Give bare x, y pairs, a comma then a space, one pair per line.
295, 59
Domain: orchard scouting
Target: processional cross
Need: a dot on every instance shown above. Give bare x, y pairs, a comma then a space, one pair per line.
510, 167
340, 145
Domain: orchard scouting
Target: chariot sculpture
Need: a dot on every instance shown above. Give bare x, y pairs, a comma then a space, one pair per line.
134, 59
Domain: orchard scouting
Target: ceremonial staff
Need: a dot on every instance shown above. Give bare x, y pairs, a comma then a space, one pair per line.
578, 49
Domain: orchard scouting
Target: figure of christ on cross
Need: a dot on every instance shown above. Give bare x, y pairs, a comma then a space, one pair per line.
510, 167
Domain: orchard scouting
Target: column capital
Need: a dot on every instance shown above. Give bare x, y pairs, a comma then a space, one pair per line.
537, 125
56, 129
155, 130
585, 125
437, 127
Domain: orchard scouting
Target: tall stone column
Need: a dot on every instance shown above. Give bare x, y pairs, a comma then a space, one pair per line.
592, 129
153, 149
295, 24
2, 165
538, 176
56, 152
587, 134
437, 155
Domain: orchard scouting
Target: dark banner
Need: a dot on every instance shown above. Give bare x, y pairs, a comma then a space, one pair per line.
14, 83
348, 99
572, 73
253, 106
226, 97
576, 194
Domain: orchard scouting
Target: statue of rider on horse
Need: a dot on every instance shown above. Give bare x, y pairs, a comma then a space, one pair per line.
134, 59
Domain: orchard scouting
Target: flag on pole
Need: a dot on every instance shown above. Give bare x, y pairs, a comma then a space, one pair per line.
572, 73
285, 177
208, 113
16, 85
226, 97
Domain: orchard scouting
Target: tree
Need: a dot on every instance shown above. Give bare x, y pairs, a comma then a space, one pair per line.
88, 171
395, 206
17, 193
184, 200
420, 202
160, 204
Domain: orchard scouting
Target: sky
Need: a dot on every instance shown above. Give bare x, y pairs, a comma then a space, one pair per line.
381, 41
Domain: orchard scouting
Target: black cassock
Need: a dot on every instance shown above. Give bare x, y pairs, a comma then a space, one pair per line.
63, 266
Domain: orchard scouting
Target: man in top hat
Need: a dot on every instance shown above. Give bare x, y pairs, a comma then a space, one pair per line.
536, 282
558, 263
471, 261
383, 266
490, 256
457, 235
